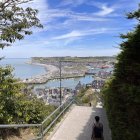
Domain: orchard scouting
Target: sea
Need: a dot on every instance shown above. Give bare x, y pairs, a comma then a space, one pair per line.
24, 70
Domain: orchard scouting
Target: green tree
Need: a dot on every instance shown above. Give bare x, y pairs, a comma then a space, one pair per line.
15, 21
122, 92
15, 106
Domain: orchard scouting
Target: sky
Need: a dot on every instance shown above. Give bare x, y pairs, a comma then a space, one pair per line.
75, 28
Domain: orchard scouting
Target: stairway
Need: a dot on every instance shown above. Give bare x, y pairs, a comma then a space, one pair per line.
78, 124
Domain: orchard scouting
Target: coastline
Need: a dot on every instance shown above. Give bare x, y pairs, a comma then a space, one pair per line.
52, 72
42, 78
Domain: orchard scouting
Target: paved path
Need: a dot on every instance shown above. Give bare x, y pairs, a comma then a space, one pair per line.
78, 124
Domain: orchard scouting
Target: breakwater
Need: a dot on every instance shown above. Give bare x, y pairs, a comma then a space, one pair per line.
53, 72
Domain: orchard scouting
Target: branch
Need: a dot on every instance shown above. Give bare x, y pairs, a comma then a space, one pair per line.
10, 3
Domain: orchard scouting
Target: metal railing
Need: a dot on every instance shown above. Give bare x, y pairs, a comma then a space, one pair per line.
47, 124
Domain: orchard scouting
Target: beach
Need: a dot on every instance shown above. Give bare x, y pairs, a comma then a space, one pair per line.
51, 70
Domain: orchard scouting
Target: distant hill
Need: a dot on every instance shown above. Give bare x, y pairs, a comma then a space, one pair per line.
74, 59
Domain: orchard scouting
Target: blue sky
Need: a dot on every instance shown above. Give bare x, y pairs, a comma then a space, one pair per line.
75, 28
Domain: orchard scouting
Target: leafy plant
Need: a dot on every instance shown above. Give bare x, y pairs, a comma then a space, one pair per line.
16, 21
122, 92
16, 107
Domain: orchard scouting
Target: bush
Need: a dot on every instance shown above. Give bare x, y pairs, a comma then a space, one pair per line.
17, 107
86, 99
122, 92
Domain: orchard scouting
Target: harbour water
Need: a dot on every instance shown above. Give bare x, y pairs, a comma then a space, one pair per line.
71, 82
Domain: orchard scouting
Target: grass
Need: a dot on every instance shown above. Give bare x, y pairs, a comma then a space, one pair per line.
88, 96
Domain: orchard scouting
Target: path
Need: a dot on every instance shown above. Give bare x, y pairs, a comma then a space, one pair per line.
78, 124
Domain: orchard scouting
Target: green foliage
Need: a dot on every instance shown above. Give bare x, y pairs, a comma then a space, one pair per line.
15, 106
86, 99
82, 98
81, 93
135, 14
122, 92
15, 21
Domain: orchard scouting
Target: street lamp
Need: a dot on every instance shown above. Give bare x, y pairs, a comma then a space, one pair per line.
60, 72
60, 82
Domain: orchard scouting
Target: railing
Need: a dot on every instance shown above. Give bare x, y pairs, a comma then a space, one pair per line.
47, 124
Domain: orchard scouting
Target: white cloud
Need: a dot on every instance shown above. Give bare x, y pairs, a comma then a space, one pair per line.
76, 51
64, 27
71, 2
71, 40
77, 33
87, 17
49, 15
105, 11
53, 14
69, 35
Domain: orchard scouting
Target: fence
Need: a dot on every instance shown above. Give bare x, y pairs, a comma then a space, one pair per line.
47, 124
